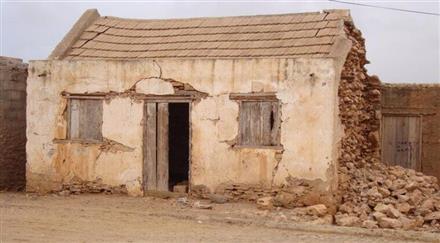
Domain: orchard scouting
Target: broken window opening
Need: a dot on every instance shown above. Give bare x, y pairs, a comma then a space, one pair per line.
85, 119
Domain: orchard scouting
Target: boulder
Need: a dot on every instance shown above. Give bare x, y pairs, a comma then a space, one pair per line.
265, 203
284, 199
390, 223
378, 215
432, 216
403, 207
370, 224
415, 197
389, 210
200, 205
346, 220
317, 210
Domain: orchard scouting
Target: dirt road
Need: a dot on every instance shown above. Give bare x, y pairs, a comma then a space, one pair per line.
110, 218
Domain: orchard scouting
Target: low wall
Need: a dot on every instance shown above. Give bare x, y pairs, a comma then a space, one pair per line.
423, 100
13, 74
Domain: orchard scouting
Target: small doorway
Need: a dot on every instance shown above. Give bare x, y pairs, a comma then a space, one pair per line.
166, 145
178, 144
401, 141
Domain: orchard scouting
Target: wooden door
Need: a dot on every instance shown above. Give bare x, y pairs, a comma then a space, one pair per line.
401, 141
155, 147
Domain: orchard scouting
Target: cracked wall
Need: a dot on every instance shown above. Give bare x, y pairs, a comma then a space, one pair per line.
306, 88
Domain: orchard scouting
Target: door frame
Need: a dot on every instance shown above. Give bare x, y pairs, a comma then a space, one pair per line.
402, 114
167, 99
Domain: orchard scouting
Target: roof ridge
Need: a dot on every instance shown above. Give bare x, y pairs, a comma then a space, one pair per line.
337, 11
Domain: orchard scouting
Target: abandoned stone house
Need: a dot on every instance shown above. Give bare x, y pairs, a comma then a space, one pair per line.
227, 105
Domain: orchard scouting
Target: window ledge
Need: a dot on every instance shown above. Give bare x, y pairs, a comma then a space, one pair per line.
272, 147
82, 141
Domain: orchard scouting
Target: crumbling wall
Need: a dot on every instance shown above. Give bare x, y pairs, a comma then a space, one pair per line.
13, 73
359, 105
374, 195
421, 100
305, 87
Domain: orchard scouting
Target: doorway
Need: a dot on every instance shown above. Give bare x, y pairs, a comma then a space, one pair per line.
178, 144
165, 145
401, 141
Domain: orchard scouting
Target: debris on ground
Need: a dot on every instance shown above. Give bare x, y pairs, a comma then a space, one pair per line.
200, 205
378, 195
78, 186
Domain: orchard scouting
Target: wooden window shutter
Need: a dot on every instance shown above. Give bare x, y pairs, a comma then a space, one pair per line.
85, 119
259, 123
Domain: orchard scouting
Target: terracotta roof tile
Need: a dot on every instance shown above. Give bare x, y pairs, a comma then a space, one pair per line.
305, 34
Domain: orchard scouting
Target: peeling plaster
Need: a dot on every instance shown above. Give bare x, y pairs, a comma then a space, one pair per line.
306, 128
154, 86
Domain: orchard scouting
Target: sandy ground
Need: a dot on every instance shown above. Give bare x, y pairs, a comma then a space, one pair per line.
115, 218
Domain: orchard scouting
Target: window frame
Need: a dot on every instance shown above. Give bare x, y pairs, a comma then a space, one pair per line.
68, 118
257, 97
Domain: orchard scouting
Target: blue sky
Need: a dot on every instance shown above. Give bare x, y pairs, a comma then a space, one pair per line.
402, 47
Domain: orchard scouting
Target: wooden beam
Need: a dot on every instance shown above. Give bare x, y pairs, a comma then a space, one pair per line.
162, 147
150, 147
269, 96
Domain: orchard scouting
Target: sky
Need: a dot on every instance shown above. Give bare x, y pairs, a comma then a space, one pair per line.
402, 47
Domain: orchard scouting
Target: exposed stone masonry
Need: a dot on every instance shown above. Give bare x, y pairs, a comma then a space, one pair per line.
78, 186
372, 194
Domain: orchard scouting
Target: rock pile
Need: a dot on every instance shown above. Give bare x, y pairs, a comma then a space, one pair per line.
77, 186
388, 197
295, 193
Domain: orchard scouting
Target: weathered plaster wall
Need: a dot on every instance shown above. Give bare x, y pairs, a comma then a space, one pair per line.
307, 89
13, 73
424, 100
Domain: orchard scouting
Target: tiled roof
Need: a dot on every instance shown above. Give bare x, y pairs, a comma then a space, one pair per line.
287, 35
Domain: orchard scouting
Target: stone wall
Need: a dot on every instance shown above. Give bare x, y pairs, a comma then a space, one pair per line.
13, 74
424, 100
359, 104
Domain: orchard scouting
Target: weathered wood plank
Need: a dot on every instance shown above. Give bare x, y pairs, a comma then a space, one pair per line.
91, 120
414, 142
85, 119
150, 147
388, 138
74, 119
266, 123
269, 96
255, 123
162, 147
245, 123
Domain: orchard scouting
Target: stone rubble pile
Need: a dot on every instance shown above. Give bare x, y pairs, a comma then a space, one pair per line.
77, 186
384, 196
295, 193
